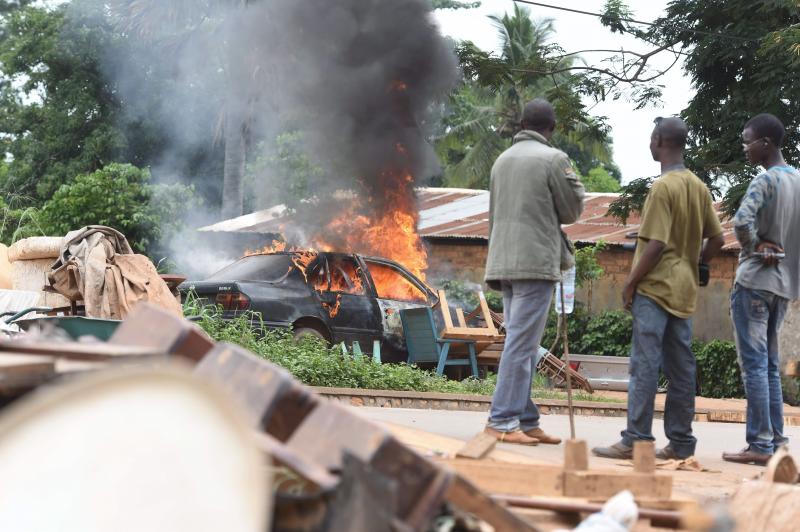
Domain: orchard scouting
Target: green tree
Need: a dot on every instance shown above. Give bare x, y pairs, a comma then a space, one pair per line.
599, 180
453, 4
743, 60
119, 196
57, 113
486, 110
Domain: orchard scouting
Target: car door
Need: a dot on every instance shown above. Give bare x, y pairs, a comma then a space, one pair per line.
396, 289
354, 313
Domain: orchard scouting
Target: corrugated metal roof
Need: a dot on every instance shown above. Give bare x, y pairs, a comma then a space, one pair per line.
464, 213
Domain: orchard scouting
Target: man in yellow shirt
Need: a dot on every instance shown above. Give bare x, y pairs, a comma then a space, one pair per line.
661, 292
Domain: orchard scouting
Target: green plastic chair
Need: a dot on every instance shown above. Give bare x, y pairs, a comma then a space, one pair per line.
425, 346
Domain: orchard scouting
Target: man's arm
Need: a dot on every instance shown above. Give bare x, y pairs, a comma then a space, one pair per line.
566, 189
744, 221
649, 259
711, 248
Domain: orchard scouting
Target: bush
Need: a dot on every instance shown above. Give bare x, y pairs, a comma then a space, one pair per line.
718, 369
608, 333
119, 196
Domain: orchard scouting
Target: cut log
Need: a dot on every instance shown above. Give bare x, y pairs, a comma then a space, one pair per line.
766, 507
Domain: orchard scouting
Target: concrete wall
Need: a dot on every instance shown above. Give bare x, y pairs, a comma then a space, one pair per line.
466, 259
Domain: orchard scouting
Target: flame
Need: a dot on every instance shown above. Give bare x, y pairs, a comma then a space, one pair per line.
383, 226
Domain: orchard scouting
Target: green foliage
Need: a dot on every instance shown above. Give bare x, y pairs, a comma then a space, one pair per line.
599, 180
287, 165
315, 364
485, 112
17, 223
743, 60
453, 4
587, 268
718, 369
631, 200
119, 196
607, 334
56, 111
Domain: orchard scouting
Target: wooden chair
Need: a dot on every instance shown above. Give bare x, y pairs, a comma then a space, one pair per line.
426, 346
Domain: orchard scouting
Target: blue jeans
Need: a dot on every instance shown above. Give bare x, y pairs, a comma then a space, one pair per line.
525, 306
661, 340
757, 317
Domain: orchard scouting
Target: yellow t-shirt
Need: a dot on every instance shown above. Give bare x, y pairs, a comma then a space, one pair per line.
679, 212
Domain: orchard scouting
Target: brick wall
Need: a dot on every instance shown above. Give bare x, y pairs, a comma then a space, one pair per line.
460, 259
466, 259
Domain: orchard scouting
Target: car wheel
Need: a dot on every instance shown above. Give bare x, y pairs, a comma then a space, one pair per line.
303, 332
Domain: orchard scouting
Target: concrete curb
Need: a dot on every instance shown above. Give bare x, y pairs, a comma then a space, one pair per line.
480, 403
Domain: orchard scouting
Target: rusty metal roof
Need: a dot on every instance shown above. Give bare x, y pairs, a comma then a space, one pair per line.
464, 214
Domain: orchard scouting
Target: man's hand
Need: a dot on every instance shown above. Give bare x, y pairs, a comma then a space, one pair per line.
769, 249
627, 294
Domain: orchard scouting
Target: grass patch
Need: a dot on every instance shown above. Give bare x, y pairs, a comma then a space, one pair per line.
315, 364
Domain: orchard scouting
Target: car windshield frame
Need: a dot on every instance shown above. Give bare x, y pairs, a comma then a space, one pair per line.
280, 274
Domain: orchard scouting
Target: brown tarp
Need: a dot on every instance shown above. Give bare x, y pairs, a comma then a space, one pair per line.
98, 266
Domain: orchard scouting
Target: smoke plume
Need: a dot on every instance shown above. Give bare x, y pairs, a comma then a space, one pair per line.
358, 78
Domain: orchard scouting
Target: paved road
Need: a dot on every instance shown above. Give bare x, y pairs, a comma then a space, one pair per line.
713, 439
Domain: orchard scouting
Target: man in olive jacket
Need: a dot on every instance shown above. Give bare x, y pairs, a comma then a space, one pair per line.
533, 191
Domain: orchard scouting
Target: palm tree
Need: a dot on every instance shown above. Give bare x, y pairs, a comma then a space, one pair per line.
486, 110
207, 26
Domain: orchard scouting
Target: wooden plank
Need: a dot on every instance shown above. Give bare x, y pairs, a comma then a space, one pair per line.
152, 327
252, 381
448, 319
600, 485
576, 455
288, 457
508, 478
462, 494
431, 443
460, 317
20, 372
479, 446
79, 350
644, 456
470, 333
487, 315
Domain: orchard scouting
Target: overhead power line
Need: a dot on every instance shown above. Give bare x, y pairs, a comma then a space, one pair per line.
642, 22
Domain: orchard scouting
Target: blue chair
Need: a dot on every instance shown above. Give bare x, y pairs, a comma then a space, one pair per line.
425, 346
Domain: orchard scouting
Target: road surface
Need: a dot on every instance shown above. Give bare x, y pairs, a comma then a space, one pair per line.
713, 439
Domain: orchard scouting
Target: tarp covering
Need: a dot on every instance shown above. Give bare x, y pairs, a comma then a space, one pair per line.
98, 266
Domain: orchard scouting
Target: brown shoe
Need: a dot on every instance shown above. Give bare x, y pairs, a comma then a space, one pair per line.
747, 456
515, 436
542, 436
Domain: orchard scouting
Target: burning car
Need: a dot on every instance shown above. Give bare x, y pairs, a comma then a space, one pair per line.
339, 297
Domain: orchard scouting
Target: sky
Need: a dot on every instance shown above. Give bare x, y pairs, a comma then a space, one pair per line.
630, 129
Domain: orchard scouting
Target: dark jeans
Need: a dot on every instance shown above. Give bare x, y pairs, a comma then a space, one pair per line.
661, 341
757, 317
525, 306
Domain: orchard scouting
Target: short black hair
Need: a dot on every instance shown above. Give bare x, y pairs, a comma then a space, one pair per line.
539, 115
673, 130
767, 126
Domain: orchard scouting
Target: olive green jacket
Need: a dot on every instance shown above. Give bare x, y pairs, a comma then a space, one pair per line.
533, 191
